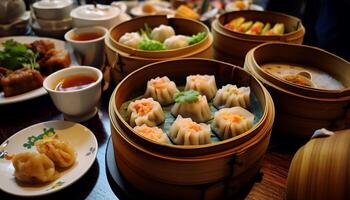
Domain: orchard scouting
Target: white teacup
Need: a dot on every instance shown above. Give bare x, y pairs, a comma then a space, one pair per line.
89, 52
76, 105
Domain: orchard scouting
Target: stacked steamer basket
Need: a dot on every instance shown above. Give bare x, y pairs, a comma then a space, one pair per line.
212, 171
301, 110
320, 169
124, 59
230, 46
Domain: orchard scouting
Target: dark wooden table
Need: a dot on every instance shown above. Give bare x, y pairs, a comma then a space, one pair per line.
94, 184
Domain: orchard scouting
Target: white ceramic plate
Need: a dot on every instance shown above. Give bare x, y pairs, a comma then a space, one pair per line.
231, 7
59, 44
80, 137
161, 6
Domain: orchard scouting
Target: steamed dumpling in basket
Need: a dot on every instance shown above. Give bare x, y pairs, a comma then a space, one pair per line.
145, 111
205, 84
230, 96
33, 167
153, 133
184, 131
161, 90
230, 122
176, 42
60, 152
193, 105
162, 32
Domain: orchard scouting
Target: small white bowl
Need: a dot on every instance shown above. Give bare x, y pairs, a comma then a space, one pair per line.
76, 105
52, 9
89, 52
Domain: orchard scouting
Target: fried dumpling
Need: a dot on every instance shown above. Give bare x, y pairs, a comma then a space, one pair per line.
184, 131
33, 167
205, 84
60, 152
229, 122
145, 111
161, 90
193, 105
153, 133
229, 96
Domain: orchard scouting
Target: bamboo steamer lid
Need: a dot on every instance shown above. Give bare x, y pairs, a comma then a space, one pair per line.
320, 169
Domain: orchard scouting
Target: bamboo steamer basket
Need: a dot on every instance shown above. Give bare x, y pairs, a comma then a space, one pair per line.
230, 46
320, 169
124, 59
302, 110
210, 171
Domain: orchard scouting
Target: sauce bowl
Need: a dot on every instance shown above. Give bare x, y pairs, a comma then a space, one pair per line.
76, 105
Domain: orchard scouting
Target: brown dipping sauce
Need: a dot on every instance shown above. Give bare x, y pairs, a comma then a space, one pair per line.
74, 82
86, 36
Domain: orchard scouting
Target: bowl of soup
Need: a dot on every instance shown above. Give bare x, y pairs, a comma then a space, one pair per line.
75, 91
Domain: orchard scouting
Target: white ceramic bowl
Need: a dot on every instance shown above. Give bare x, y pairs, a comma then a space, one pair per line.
77, 105
89, 52
52, 9
99, 15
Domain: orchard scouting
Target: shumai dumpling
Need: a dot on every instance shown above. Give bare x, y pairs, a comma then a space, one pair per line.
229, 96
60, 152
176, 42
33, 167
153, 133
162, 32
205, 84
193, 105
131, 39
229, 122
145, 111
161, 90
184, 131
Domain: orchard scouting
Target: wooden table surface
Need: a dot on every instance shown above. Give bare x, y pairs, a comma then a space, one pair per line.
94, 184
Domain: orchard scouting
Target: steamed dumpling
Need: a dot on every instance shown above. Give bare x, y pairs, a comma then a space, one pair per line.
193, 105
145, 111
176, 41
131, 39
230, 96
33, 167
153, 133
186, 132
161, 90
205, 84
60, 152
230, 122
162, 32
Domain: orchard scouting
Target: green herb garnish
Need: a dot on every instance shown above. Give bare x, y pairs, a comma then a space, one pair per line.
189, 96
148, 44
16, 55
196, 38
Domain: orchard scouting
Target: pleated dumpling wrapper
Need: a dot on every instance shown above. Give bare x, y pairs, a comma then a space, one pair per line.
131, 39
230, 122
31, 167
184, 131
162, 32
204, 84
145, 111
153, 133
193, 105
161, 90
60, 152
229, 96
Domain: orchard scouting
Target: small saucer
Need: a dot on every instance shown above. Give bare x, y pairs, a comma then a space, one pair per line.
81, 118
